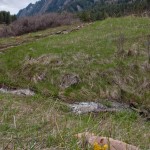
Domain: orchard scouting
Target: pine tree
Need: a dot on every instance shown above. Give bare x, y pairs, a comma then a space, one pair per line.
1, 17
8, 18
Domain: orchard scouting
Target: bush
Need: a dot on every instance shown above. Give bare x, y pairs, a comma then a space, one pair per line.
36, 23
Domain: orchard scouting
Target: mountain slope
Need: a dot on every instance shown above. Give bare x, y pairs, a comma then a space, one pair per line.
44, 6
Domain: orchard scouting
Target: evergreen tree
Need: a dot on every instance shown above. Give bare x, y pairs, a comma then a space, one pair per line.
103, 10
1, 17
6, 17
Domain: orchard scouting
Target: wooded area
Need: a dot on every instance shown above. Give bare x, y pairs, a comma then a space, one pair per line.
6, 17
103, 10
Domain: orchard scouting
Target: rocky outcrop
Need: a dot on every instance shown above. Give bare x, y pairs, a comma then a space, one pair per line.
45, 6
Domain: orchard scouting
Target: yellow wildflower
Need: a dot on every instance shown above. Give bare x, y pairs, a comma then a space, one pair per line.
105, 147
96, 146
99, 147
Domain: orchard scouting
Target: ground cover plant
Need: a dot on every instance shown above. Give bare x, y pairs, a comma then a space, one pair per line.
106, 60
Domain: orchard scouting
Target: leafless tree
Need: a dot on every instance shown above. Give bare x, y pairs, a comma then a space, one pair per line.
36, 23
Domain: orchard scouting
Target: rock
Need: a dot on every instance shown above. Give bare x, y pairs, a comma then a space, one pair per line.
114, 144
25, 92
69, 80
87, 107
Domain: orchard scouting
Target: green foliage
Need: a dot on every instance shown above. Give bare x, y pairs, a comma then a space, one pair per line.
6, 17
103, 10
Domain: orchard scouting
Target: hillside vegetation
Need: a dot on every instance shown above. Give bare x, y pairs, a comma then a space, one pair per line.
104, 9
107, 60
51, 13
37, 23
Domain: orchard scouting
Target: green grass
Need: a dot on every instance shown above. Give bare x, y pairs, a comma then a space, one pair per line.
42, 122
88, 53
45, 120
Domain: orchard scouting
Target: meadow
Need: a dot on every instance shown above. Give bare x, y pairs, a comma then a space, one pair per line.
110, 60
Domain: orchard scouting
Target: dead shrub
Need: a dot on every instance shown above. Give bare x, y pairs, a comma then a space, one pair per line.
36, 23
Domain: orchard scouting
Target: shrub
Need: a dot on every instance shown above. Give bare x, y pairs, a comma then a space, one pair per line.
36, 23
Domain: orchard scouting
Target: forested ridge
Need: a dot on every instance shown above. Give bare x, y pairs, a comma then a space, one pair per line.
103, 9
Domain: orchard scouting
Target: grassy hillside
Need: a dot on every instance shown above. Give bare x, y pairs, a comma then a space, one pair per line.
109, 59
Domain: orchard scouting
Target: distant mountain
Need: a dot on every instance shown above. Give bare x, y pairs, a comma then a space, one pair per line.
44, 6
